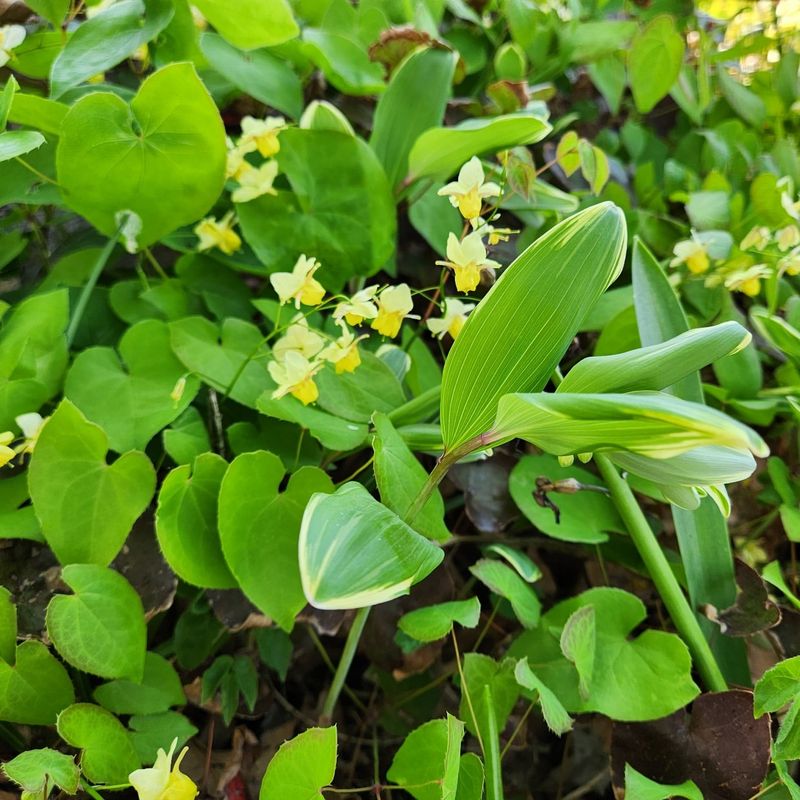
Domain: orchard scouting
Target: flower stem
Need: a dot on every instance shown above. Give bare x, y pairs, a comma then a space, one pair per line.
661, 573
88, 288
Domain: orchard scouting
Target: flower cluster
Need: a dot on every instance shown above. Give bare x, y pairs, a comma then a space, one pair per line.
30, 425
259, 138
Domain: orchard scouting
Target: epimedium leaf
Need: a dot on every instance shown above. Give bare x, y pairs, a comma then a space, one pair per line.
525, 567
578, 644
148, 733
256, 23
8, 627
103, 41
86, 506
584, 516
187, 437
558, 278
186, 523
470, 778
555, 715
341, 208
428, 761
301, 767
37, 771
159, 690
355, 552
640, 787
654, 61
480, 672
778, 686
399, 117
36, 688
400, 478
654, 424
229, 357
17, 143
434, 622
506, 582
107, 752
130, 395
33, 111
53, 11
642, 678
259, 528
100, 628
114, 157
439, 152
343, 62
657, 366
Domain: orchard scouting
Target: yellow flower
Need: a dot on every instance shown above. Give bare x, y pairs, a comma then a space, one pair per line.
6, 453
218, 233
31, 426
255, 181
236, 163
359, 307
467, 193
343, 352
295, 375
787, 237
198, 18
159, 782
693, 253
493, 235
467, 259
453, 319
790, 264
747, 281
394, 305
261, 135
300, 284
11, 36
299, 338
758, 238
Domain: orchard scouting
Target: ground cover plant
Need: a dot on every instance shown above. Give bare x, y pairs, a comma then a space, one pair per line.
399, 399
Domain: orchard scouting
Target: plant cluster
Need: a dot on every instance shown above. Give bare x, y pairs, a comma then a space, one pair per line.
400, 397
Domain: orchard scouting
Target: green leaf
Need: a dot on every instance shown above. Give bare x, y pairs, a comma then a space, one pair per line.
149, 732
343, 62
113, 157
130, 395
341, 208
585, 516
594, 165
654, 61
470, 778
6, 100
159, 690
400, 479
100, 628
355, 552
506, 582
434, 622
256, 23
778, 332
37, 771
230, 355
430, 755
53, 11
640, 787
103, 41
187, 437
439, 152
555, 715
186, 523
480, 672
399, 116
634, 679
259, 73
525, 567
578, 644
259, 529
17, 143
35, 688
8, 627
107, 752
557, 278
301, 767
746, 103
86, 507
655, 424
659, 365
37, 112
778, 686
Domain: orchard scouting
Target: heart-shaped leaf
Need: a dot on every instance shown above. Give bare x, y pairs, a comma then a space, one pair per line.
150, 731
100, 628
161, 157
259, 528
186, 523
36, 688
37, 771
355, 552
256, 23
130, 395
301, 767
434, 622
17, 143
159, 690
107, 751
86, 507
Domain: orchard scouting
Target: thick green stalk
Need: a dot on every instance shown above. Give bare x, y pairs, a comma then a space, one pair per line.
86, 293
661, 573
491, 748
350, 647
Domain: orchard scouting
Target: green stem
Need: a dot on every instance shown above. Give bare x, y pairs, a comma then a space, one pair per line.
418, 409
662, 575
86, 293
491, 743
350, 647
